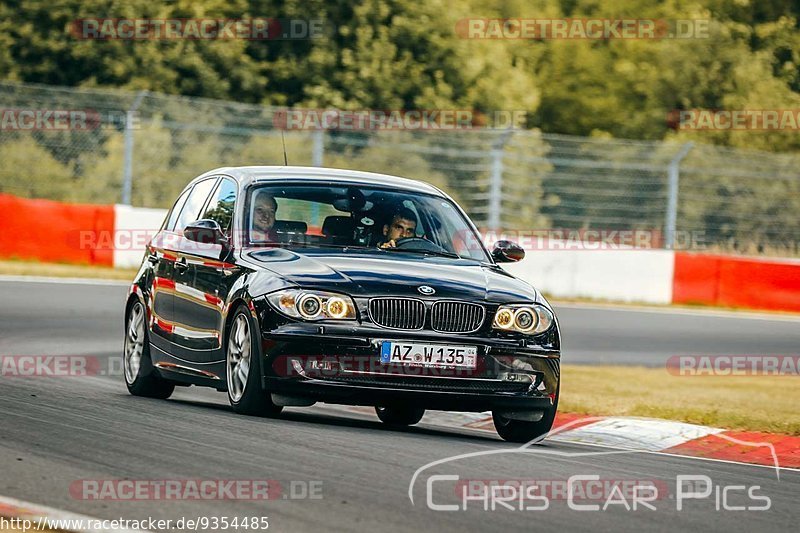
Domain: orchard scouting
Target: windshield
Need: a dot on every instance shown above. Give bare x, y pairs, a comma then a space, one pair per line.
357, 216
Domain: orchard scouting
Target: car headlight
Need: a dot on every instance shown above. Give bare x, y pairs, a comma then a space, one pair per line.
531, 319
313, 305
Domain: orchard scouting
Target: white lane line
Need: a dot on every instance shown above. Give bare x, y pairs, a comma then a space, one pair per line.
62, 281
717, 313
44, 517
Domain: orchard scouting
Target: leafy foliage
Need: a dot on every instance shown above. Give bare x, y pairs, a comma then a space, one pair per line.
398, 54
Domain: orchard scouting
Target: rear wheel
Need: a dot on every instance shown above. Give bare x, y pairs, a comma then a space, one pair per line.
400, 416
243, 368
141, 377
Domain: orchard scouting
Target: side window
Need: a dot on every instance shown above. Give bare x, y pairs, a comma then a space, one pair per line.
176, 210
194, 203
220, 208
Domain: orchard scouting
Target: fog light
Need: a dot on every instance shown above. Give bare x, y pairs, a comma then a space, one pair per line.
298, 367
515, 376
323, 365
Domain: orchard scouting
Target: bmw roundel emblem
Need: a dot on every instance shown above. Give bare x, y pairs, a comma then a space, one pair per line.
424, 289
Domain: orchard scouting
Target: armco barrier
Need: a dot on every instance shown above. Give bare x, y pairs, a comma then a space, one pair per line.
44, 230
737, 281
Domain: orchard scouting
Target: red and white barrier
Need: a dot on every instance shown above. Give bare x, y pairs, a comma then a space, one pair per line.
737, 281
49, 231
116, 235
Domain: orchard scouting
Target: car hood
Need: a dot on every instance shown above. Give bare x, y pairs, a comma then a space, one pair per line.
374, 273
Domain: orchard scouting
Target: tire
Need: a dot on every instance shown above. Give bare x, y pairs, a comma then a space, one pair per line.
522, 430
243, 368
400, 416
141, 377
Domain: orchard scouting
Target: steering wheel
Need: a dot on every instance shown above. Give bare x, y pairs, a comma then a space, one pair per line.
417, 243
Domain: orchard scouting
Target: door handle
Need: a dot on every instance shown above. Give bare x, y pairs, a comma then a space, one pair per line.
181, 264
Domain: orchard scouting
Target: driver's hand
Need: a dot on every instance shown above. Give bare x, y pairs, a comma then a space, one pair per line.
390, 244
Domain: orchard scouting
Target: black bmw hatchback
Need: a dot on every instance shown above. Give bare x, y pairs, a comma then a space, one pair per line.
286, 286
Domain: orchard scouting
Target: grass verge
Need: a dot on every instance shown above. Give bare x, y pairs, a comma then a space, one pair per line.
58, 270
754, 403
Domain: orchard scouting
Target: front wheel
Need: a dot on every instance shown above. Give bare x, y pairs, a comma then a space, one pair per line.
243, 368
140, 376
523, 430
399, 416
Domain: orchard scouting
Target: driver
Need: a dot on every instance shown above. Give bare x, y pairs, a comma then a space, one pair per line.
402, 225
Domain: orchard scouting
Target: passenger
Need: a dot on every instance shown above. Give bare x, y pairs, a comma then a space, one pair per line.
265, 209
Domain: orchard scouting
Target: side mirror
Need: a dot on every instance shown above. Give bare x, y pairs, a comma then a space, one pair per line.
206, 231
507, 252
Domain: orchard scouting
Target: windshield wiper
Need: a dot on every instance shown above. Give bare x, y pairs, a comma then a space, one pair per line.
302, 244
442, 253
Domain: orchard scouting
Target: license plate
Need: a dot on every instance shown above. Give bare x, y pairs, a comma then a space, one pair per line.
435, 355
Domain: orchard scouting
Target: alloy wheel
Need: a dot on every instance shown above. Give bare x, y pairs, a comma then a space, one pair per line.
238, 357
134, 342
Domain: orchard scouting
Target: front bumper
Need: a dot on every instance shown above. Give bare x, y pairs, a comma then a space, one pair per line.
341, 364
438, 400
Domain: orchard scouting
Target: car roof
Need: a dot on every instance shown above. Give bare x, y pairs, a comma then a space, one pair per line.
265, 174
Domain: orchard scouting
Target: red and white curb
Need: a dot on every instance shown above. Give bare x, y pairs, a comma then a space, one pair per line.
636, 433
648, 435
676, 438
43, 518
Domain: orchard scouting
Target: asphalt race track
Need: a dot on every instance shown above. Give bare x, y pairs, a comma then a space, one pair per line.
59, 431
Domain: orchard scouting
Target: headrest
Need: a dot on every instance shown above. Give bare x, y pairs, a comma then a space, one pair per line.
337, 226
290, 226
